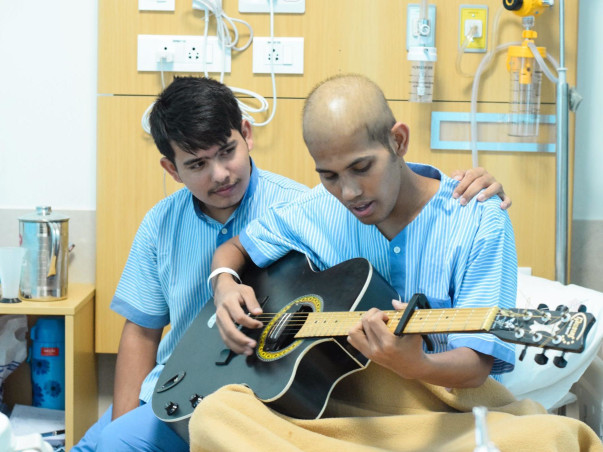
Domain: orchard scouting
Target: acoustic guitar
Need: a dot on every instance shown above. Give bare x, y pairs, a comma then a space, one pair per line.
302, 350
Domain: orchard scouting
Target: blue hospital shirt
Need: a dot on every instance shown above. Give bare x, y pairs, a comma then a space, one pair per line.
165, 278
458, 256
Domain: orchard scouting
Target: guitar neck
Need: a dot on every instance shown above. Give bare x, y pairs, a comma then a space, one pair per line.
422, 321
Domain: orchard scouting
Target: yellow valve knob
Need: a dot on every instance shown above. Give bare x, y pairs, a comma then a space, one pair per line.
527, 7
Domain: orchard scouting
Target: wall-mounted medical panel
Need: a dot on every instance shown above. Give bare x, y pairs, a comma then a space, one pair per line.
368, 38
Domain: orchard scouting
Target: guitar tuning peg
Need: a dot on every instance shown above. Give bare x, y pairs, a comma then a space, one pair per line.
541, 358
522, 355
562, 308
582, 308
560, 361
543, 307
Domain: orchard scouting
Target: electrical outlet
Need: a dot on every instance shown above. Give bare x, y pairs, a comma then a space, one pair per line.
473, 16
156, 5
192, 53
273, 53
418, 35
285, 55
179, 53
280, 6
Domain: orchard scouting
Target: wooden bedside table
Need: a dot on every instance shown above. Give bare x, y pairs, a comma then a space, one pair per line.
81, 388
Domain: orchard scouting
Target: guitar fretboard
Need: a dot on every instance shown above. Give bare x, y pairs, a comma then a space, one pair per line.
423, 321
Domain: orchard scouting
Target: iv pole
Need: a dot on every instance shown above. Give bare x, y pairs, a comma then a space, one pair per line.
565, 102
562, 151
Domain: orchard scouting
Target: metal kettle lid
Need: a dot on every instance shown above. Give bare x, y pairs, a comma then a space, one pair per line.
43, 214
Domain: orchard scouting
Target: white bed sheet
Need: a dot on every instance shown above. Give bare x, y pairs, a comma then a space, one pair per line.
548, 384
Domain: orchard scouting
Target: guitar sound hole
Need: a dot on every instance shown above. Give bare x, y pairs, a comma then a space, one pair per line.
282, 333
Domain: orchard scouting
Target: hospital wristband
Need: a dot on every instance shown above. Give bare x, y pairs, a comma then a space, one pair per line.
219, 271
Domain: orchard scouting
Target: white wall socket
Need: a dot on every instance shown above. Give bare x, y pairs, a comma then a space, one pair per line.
286, 54
156, 5
181, 53
280, 6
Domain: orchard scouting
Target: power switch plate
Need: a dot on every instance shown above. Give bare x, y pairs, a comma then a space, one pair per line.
280, 6
476, 17
180, 53
286, 55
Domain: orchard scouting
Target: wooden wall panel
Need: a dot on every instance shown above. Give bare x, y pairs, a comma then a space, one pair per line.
364, 36
340, 36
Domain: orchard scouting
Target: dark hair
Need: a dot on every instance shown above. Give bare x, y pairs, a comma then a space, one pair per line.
194, 113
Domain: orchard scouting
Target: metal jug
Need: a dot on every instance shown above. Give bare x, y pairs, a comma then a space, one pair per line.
45, 236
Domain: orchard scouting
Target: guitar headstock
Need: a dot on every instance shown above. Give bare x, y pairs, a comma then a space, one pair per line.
557, 330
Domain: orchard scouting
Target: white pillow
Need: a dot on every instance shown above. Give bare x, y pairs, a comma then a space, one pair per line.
548, 384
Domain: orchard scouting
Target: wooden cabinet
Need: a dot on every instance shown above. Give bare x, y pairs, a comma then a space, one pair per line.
367, 38
81, 393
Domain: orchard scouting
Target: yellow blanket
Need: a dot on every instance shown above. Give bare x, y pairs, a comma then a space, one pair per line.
375, 410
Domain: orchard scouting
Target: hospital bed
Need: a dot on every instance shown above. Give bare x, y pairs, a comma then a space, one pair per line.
577, 389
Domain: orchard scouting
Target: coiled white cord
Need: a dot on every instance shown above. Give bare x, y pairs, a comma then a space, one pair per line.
224, 25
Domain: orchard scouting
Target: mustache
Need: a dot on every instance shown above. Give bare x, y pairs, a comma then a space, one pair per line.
223, 185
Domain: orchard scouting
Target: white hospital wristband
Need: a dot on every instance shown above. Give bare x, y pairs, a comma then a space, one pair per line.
219, 271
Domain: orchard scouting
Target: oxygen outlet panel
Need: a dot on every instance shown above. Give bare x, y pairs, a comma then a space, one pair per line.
474, 23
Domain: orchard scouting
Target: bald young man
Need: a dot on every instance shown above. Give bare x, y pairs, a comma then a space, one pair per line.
402, 218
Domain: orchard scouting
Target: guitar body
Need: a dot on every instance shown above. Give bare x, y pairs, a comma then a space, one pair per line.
293, 376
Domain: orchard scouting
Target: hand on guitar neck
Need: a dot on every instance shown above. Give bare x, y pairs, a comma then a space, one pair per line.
461, 367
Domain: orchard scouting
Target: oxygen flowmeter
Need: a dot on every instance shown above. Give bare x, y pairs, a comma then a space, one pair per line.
422, 54
525, 8
525, 71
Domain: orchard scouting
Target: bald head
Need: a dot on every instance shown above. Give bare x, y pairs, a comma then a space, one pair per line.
346, 104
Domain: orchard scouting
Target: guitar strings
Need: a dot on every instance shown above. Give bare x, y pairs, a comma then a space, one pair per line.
297, 320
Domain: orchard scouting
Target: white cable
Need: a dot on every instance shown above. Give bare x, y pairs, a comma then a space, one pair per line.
541, 62
224, 39
224, 24
144, 122
244, 107
484, 63
468, 40
474, 89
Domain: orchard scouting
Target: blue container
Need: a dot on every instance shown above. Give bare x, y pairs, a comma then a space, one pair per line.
48, 363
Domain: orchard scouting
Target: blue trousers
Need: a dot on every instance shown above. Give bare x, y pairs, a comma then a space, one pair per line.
138, 430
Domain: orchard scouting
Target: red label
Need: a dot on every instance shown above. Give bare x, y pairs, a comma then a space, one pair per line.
49, 351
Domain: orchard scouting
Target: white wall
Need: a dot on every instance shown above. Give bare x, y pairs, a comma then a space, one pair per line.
588, 172
48, 62
48, 65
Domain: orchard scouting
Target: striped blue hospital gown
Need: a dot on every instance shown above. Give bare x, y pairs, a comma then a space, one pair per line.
458, 256
164, 280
